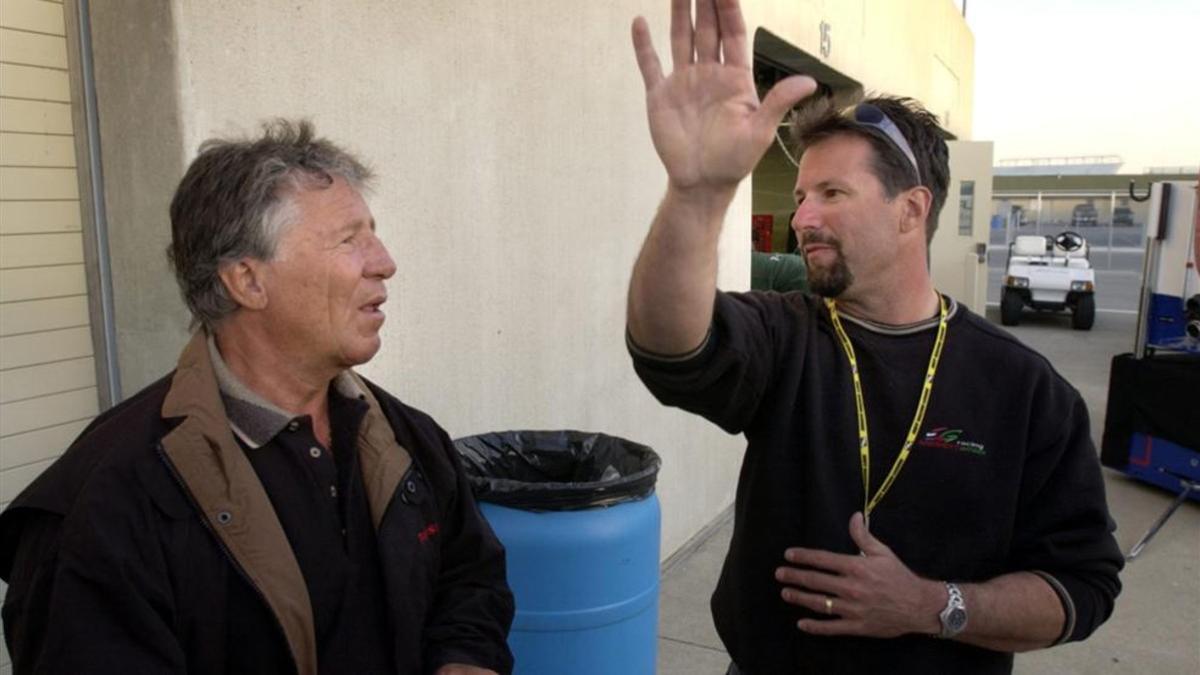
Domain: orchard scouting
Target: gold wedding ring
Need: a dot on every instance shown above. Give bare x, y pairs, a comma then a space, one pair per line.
828, 605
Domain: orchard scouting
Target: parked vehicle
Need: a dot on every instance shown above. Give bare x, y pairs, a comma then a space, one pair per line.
1049, 274
1084, 215
1123, 216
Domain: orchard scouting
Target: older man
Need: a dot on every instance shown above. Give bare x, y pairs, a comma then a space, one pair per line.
263, 508
919, 492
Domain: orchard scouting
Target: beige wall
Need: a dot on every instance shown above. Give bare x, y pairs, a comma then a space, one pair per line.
517, 181
142, 158
955, 263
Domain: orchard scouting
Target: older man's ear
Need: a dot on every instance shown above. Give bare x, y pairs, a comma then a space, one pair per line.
244, 282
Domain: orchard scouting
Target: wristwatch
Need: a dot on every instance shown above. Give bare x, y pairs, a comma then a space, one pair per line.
954, 616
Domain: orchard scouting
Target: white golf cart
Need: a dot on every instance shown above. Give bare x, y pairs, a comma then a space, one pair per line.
1049, 274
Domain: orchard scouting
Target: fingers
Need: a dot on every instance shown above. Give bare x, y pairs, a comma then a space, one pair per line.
833, 562
647, 58
719, 30
708, 32
866, 542
733, 33
815, 581
681, 32
834, 627
785, 94
848, 614
819, 603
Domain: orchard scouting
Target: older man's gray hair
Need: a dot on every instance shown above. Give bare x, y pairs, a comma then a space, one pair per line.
236, 199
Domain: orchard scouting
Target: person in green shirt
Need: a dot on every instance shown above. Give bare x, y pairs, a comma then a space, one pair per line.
781, 272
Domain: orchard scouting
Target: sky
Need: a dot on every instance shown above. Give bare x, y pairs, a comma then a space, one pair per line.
1088, 77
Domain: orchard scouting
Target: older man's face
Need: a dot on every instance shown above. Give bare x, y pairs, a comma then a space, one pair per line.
326, 282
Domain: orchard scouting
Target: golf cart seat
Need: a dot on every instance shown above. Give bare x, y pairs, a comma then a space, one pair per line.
1030, 246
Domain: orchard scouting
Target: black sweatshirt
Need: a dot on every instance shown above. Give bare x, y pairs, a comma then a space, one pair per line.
1003, 477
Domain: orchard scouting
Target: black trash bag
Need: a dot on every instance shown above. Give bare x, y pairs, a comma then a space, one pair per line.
557, 470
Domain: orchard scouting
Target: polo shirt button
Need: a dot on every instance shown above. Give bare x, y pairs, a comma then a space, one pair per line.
333, 491
314, 451
293, 425
411, 487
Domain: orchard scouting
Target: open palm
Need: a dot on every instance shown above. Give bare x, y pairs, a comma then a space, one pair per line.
706, 121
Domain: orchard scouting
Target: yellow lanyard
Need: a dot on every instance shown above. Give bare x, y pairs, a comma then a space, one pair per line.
864, 445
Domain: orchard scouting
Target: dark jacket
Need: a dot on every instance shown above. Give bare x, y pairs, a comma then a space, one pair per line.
152, 547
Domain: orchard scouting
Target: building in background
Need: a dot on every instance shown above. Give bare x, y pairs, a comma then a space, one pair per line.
1092, 165
516, 183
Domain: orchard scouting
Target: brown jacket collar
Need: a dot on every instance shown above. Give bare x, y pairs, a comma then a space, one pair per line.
221, 480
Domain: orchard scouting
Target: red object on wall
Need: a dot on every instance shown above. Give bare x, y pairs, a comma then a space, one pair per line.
761, 225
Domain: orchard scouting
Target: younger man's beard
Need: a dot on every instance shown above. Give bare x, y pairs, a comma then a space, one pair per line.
832, 280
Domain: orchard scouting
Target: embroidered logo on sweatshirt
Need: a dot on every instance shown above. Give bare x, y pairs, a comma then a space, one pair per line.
945, 438
428, 533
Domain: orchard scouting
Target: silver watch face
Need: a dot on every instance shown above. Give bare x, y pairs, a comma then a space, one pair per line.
956, 620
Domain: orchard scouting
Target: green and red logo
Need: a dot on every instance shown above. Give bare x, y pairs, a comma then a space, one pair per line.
945, 438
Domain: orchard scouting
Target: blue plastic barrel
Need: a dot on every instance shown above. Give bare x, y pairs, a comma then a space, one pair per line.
586, 587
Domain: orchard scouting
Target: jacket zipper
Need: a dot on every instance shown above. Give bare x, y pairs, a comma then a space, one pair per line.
162, 454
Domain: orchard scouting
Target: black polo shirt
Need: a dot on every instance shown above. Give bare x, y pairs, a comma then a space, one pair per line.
320, 500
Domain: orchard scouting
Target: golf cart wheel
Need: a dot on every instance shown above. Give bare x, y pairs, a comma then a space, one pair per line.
1010, 308
1084, 313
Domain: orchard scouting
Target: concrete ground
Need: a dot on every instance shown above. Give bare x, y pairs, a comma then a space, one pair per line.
1156, 625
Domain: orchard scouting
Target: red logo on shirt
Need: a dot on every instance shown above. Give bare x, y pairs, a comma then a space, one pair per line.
428, 533
946, 438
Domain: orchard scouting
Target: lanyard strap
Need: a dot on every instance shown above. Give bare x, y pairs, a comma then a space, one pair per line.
864, 444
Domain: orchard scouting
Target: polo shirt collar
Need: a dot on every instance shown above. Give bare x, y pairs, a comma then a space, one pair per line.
254, 419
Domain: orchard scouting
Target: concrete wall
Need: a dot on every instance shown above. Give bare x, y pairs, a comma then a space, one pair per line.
955, 264
517, 181
142, 159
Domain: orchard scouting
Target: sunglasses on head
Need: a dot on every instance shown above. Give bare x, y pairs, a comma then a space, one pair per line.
868, 115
